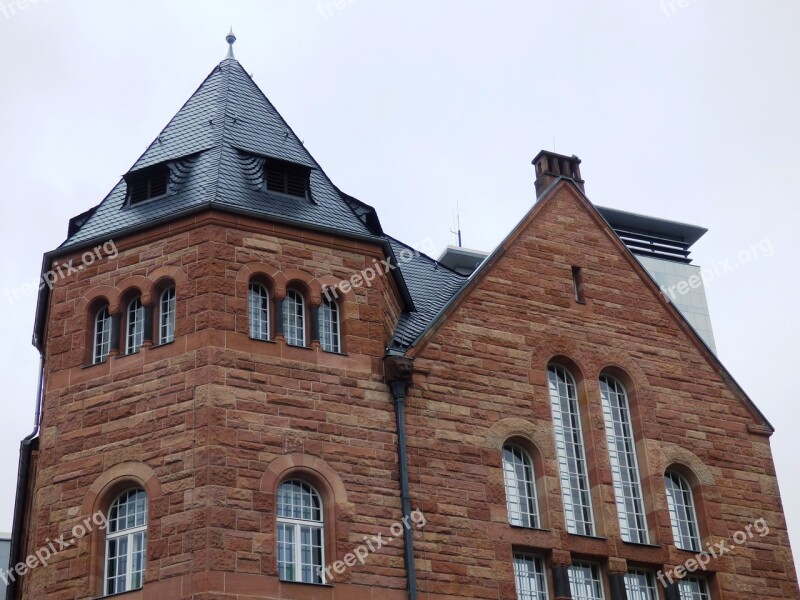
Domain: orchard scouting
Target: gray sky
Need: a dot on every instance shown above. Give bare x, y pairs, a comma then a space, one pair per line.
687, 113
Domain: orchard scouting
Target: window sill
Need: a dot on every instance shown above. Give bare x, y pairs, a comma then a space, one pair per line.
161, 345
589, 537
640, 544
327, 585
255, 339
334, 352
303, 347
523, 528
120, 594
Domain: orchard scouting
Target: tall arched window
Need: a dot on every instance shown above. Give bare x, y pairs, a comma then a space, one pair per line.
520, 487
166, 320
294, 318
301, 552
102, 336
624, 465
258, 299
682, 513
126, 542
329, 329
134, 326
571, 451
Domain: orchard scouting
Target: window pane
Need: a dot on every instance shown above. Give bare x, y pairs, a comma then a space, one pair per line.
682, 512
286, 552
135, 326
128, 511
329, 326
102, 336
116, 564
530, 578
693, 588
294, 319
258, 299
624, 465
520, 487
640, 585
571, 457
167, 321
298, 500
311, 554
585, 582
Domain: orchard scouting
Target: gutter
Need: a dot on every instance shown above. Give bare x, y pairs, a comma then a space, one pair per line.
26, 448
398, 371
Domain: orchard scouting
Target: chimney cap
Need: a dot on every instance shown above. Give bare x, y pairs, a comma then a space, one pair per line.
572, 158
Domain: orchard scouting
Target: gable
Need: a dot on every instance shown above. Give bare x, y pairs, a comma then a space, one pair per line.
523, 296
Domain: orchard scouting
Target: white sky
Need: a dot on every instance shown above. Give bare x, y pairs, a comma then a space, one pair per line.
413, 105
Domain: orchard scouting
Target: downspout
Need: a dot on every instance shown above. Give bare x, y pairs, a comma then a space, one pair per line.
23, 474
398, 371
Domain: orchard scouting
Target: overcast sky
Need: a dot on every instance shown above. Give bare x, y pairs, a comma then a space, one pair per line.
687, 113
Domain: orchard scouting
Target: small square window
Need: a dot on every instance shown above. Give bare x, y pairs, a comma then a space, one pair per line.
286, 178
148, 183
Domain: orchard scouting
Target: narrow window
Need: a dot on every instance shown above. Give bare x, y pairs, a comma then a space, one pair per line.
294, 319
300, 533
126, 542
102, 336
135, 326
166, 328
585, 582
577, 284
640, 585
624, 466
571, 454
520, 487
329, 330
530, 577
693, 588
259, 311
682, 512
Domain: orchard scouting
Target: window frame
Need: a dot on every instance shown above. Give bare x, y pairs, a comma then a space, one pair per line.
297, 526
332, 309
528, 482
129, 534
579, 461
262, 330
690, 508
299, 301
627, 478
169, 315
101, 349
538, 574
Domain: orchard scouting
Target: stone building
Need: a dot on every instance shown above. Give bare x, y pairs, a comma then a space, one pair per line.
250, 390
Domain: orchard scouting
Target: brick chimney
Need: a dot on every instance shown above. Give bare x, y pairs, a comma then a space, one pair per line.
550, 166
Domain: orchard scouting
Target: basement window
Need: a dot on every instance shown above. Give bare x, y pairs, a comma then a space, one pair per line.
147, 183
286, 178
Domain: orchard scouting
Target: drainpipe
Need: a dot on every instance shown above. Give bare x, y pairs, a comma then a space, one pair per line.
398, 371
23, 473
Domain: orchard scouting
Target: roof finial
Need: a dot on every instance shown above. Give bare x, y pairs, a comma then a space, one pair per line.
230, 38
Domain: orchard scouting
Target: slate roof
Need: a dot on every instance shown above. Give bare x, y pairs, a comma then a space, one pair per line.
216, 145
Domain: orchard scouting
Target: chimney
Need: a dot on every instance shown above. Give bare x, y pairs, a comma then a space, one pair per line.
550, 166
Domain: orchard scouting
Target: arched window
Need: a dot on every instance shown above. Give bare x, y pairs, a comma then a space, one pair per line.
258, 299
530, 577
682, 514
102, 336
520, 487
294, 318
166, 320
126, 542
329, 329
134, 327
571, 451
301, 552
624, 465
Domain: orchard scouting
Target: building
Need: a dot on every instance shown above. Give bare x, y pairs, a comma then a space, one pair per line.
249, 390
